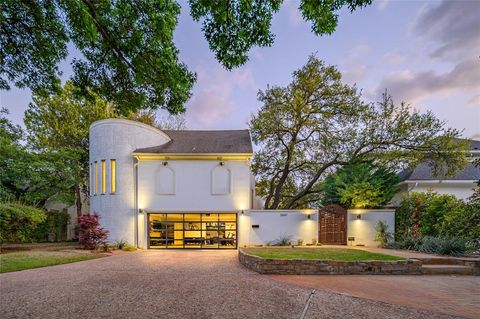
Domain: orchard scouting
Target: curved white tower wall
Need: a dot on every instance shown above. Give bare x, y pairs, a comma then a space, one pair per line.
116, 139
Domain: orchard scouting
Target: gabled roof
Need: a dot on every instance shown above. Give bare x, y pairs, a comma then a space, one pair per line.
424, 172
203, 142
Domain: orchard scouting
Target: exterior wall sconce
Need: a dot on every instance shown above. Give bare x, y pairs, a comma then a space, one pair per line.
140, 211
242, 212
164, 163
359, 216
309, 216
221, 163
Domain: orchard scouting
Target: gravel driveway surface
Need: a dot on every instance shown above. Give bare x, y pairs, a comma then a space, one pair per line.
175, 284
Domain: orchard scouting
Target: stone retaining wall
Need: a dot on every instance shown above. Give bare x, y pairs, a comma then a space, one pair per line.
328, 267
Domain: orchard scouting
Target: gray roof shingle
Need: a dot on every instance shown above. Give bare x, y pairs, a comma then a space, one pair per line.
424, 172
204, 142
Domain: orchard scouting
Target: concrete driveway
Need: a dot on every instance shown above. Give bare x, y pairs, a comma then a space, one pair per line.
175, 284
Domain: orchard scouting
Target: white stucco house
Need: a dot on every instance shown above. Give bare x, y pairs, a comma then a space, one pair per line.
461, 185
194, 189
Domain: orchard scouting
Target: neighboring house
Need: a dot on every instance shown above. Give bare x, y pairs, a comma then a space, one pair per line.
194, 189
422, 179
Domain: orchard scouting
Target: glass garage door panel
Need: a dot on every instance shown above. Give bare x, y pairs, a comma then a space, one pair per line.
193, 230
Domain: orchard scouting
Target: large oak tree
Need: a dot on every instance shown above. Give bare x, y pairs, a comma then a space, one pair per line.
129, 56
317, 124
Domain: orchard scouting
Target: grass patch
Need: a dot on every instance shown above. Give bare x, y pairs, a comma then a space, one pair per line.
338, 254
34, 259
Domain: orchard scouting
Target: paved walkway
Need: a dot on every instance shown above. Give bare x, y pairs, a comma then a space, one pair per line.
458, 295
176, 284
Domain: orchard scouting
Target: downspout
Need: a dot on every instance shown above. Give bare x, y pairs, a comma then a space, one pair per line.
135, 182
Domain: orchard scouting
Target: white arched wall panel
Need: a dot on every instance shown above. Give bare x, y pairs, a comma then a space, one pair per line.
221, 180
165, 181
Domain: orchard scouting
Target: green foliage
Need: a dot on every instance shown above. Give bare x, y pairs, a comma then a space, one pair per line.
31, 177
317, 124
232, 28
120, 244
463, 220
434, 245
18, 221
324, 13
128, 53
283, 240
383, 236
60, 122
360, 185
54, 228
440, 216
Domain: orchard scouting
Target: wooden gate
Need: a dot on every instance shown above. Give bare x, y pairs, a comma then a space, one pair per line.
332, 228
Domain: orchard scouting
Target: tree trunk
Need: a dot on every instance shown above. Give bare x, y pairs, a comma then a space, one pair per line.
78, 200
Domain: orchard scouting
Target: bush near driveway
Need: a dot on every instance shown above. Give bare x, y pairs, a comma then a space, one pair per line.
440, 224
18, 221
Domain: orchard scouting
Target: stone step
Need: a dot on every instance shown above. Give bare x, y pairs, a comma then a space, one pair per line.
441, 261
446, 270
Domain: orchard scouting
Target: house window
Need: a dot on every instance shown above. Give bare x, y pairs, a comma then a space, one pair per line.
91, 180
96, 178
104, 177
113, 167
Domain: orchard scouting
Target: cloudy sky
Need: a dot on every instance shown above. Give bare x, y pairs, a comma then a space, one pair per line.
426, 53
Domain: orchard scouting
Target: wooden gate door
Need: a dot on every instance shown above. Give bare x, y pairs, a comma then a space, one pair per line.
332, 228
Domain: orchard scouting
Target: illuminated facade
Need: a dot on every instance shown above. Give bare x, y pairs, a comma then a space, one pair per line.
169, 189
192, 189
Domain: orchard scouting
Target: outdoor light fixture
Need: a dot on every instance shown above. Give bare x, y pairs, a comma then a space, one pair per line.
165, 163
359, 216
241, 211
309, 216
140, 211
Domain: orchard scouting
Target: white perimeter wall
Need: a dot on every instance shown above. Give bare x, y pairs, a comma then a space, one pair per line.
276, 223
363, 229
193, 186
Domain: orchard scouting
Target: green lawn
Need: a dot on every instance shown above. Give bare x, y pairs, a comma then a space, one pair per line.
339, 254
34, 259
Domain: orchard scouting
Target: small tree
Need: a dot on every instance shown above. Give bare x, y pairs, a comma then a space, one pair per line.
360, 185
18, 221
90, 234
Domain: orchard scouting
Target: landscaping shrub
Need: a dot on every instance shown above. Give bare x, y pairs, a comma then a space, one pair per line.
18, 221
90, 234
425, 213
283, 240
383, 236
443, 246
54, 228
120, 244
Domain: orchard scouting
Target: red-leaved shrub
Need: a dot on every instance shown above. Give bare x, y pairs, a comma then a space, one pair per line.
90, 234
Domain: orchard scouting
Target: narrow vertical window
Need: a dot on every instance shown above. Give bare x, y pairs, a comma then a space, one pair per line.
104, 177
113, 187
96, 178
90, 179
